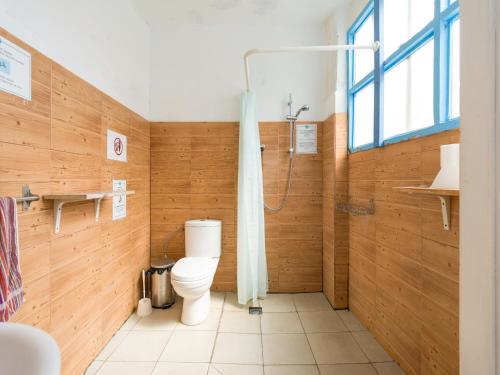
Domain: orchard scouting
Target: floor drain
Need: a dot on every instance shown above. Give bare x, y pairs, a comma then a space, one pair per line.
255, 310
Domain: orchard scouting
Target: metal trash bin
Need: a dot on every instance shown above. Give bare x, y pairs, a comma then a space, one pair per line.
162, 293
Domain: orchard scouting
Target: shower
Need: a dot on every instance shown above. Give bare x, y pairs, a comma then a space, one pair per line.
291, 120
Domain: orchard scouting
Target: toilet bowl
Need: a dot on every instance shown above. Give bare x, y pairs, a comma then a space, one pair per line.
193, 275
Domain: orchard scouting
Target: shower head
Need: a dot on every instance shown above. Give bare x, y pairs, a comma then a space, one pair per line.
302, 109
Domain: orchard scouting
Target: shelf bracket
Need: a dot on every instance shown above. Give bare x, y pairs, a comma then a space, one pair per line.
97, 204
446, 211
58, 205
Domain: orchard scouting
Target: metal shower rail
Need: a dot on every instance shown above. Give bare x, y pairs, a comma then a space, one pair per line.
328, 48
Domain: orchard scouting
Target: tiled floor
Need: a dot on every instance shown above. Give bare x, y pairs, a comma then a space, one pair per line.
298, 334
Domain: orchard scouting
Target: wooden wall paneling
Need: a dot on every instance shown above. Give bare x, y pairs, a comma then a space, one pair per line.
194, 175
403, 268
56, 143
335, 223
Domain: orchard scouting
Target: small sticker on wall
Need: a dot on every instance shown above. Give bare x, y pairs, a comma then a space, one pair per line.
307, 139
15, 69
119, 199
117, 146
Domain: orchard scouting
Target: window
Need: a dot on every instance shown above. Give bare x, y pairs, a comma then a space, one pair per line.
363, 59
455, 68
363, 116
409, 93
412, 86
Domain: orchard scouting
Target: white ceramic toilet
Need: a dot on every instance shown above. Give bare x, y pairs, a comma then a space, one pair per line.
192, 276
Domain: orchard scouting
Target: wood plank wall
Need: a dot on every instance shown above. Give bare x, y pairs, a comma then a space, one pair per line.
403, 267
335, 223
80, 284
194, 175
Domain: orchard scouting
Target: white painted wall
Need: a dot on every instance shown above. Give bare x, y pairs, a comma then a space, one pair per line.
336, 30
478, 236
198, 72
103, 42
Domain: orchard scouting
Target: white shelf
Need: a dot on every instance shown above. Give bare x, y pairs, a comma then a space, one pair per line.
444, 196
61, 199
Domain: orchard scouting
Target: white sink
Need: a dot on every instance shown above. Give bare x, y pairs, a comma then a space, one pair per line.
25, 350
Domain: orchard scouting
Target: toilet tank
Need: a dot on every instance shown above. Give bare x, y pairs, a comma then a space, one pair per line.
203, 238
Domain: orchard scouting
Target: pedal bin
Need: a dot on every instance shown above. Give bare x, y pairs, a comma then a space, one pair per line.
162, 293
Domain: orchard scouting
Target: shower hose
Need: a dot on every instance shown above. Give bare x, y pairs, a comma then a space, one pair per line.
274, 210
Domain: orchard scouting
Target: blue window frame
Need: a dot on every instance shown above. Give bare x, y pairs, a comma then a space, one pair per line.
439, 30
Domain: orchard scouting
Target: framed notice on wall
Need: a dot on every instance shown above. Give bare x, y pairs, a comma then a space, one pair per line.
307, 139
119, 199
15, 69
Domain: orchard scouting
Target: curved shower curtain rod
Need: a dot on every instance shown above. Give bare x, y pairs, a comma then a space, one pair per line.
328, 48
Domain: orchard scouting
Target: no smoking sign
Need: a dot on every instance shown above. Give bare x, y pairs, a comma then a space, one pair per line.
117, 146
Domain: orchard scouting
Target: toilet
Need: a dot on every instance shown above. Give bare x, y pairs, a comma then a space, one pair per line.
193, 275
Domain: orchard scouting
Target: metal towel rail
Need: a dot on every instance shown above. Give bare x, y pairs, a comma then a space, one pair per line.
27, 197
349, 208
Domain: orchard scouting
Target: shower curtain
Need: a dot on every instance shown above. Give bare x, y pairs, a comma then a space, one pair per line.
251, 250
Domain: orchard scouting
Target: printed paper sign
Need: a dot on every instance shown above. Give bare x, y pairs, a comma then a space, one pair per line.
307, 139
119, 199
117, 146
15, 70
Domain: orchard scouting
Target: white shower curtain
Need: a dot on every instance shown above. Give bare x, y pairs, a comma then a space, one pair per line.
251, 252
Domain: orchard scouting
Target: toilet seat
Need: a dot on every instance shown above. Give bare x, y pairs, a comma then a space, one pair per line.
191, 269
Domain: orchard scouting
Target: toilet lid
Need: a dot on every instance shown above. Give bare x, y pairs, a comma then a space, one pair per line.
193, 268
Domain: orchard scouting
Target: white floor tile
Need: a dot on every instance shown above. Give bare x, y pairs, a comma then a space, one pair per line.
210, 324
322, 321
130, 322
217, 299
93, 368
231, 303
372, 349
159, 320
189, 347
311, 302
225, 369
238, 348
298, 331
388, 368
347, 369
350, 320
287, 349
126, 368
110, 347
281, 323
291, 370
164, 368
277, 303
141, 346
239, 322
335, 348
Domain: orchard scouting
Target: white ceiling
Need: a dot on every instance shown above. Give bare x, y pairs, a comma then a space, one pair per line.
235, 12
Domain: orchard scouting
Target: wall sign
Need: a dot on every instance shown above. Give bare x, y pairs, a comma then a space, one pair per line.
307, 139
119, 199
15, 70
117, 146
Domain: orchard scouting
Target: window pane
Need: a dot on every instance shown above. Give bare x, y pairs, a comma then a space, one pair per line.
403, 19
455, 69
409, 93
363, 59
363, 117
